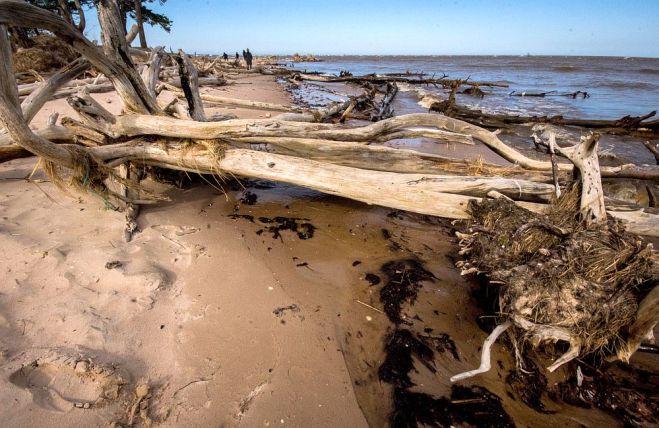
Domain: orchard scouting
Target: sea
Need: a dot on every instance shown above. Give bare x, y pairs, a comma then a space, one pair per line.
617, 86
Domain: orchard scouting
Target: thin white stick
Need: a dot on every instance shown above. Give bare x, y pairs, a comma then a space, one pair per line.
485, 355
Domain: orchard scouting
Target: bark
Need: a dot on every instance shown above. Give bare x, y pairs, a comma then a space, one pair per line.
385, 108
65, 13
20, 38
132, 210
82, 23
140, 23
190, 85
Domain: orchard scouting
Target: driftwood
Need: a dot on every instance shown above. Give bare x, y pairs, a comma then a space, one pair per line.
190, 84
293, 137
330, 158
384, 79
654, 149
385, 109
573, 95
497, 121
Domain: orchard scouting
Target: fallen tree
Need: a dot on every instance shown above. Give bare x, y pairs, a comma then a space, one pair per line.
624, 125
315, 155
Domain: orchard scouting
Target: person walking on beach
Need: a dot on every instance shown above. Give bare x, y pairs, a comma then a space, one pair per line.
225, 57
248, 59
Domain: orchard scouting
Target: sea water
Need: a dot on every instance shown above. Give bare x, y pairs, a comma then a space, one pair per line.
617, 86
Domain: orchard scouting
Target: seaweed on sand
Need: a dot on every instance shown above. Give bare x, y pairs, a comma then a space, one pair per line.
404, 279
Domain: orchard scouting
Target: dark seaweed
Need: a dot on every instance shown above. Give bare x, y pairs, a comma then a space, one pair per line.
474, 406
279, 312
403, 282
400, 346
442, 343
631, 399
372, 279
303, 230
248, 198
245, 216
529, 387
276, 225
113, 264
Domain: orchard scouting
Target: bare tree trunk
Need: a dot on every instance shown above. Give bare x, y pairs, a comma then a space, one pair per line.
584, 158
64, 12
140, 23
82, 23
190, 85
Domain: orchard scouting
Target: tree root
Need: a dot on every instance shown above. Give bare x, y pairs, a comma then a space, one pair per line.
486, 363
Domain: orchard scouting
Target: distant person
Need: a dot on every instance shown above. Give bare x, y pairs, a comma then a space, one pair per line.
248, 59
237, 57
225, 57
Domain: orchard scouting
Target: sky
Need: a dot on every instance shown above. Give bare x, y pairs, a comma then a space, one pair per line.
412, 27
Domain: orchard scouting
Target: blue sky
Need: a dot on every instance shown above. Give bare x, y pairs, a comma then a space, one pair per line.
577, 27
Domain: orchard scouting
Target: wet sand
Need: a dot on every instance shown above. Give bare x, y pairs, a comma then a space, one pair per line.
227, 319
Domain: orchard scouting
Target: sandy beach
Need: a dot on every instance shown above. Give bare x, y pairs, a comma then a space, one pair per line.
239, 303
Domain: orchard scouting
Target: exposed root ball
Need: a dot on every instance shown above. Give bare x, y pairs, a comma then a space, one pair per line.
558, 276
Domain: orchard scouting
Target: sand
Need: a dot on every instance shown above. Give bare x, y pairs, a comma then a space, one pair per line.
208, 319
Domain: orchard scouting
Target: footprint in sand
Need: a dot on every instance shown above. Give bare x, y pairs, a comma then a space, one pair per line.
184, 251
61, 383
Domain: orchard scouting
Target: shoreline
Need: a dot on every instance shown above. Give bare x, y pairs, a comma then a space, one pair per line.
223, 319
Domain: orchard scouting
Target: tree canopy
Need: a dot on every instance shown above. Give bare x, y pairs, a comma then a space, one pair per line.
127, 8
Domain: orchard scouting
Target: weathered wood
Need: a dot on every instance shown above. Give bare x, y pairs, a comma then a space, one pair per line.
384, 79
190, 84
496, 121
654, 149
140, 23
132, 34
175, 81
82, 23
135, 125
7, 83
151, 71
371, 187
47, 89
27, 89
131, 210
127, 82
385, 109
584, 157
647, 317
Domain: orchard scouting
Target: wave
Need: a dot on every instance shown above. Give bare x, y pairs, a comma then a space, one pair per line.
626, 85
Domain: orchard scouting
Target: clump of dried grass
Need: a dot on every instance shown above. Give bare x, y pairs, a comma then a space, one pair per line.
558, 273
91, 175
48, 53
